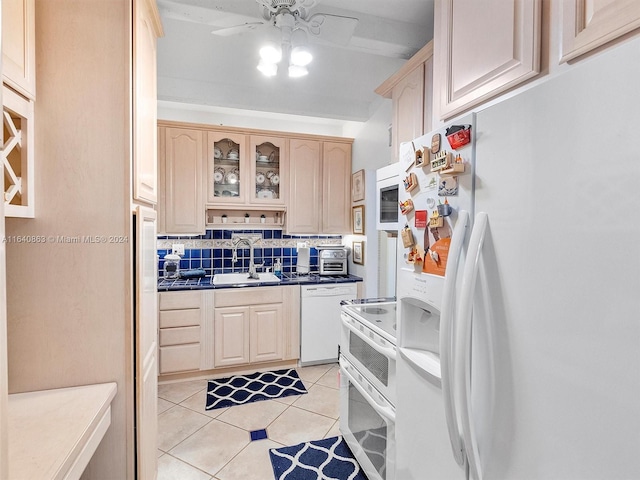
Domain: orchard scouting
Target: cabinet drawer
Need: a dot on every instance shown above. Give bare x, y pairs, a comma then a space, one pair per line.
179, 336
179, 318
244, 296
179, 358
178, 300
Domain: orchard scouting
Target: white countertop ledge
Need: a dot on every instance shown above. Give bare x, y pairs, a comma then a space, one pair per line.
54, 433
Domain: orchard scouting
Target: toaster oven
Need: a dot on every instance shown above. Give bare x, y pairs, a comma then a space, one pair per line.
332, 260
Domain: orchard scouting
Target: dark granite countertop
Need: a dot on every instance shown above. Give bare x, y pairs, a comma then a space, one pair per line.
287, 279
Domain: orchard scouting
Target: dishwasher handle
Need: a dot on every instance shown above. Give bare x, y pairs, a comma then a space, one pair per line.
328, 291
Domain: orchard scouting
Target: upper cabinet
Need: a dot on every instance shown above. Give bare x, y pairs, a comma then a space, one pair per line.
482, 49
227, 167
181, 153
146, 29
336, 187
226, 178
18, 46
269, 170
411, 92
19, 86
320, 187
305, 187
246, 169
588, 24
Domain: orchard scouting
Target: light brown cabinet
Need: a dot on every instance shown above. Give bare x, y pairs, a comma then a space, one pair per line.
179, 335
246, 169
483, 49
267, 330
186, 333
411, 93
320, 187
146, 30
336, 187
181, 153
18, 46
587, 25
18, 155
211, 177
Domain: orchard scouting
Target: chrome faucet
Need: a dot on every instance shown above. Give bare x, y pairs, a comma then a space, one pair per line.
234, 257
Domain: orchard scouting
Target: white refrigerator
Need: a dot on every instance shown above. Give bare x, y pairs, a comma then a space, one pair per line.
545, 351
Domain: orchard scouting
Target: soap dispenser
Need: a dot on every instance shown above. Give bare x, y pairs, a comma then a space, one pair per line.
277, 268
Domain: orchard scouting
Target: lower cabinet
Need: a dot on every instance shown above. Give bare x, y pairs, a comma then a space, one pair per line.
185, 326
267, 330
207, 329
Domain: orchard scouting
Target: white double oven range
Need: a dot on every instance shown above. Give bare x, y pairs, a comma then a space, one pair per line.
368, 383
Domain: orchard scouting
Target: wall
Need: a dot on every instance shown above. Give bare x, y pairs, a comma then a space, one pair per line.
371, 150
69, 304
212, 252
205, 114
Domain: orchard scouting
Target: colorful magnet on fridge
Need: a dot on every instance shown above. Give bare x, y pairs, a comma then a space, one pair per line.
406, 206
410, 182
436, 220
420, 219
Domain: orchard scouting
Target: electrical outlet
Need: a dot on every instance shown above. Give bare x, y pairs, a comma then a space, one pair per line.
177, 248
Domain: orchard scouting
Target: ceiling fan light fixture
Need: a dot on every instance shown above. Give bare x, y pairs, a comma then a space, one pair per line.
270, 54
296, 71
268, 69
301, 56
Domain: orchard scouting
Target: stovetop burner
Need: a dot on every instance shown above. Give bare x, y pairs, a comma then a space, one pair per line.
377, 313
374, 310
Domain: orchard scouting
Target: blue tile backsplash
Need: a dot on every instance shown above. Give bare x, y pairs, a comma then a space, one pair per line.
213, 250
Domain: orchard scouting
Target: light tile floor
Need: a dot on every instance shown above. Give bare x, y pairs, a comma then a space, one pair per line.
196, 444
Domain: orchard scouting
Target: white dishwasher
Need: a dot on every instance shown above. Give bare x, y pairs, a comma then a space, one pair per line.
320, 320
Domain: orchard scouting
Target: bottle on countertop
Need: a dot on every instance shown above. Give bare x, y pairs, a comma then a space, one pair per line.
277, 268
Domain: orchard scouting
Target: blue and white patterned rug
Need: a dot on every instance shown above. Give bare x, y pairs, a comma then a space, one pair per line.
239, 389
328, 459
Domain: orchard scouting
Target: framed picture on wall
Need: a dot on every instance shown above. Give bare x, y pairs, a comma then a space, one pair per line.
358, 253
357, 186
358, 220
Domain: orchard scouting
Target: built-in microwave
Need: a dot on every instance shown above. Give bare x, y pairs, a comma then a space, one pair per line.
387, 208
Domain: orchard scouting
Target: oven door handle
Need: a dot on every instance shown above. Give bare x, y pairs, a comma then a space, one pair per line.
388, 352
385, 411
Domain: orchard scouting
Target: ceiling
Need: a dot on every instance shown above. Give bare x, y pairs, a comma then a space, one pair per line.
198, 67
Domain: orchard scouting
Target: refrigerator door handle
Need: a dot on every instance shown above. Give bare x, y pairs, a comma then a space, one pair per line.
462, 361
447, 350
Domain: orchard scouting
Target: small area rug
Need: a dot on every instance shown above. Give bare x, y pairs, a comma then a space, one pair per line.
239, 389
328, 459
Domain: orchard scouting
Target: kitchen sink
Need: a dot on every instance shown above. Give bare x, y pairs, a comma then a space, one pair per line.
243, 278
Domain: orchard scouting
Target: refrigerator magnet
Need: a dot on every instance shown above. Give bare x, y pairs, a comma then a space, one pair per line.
420, 219
448, 186
435, 143
406, 206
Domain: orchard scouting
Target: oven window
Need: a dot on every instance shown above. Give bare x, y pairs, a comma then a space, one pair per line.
369, 429
389, 204
374, 361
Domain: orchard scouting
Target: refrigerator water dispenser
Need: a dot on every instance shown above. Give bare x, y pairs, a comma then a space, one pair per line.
419, 339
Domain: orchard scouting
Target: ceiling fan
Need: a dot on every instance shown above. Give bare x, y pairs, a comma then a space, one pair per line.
291, 15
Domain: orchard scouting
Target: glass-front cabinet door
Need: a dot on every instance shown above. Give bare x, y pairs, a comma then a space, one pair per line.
226, 167
269, 175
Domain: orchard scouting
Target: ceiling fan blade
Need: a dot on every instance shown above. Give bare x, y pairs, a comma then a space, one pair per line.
225, 32
332, 28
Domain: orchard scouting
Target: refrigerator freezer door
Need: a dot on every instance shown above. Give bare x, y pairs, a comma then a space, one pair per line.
558, 175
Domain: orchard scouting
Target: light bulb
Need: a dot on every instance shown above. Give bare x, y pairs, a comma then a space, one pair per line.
270, 54
297, 71
268, 69
301, 56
